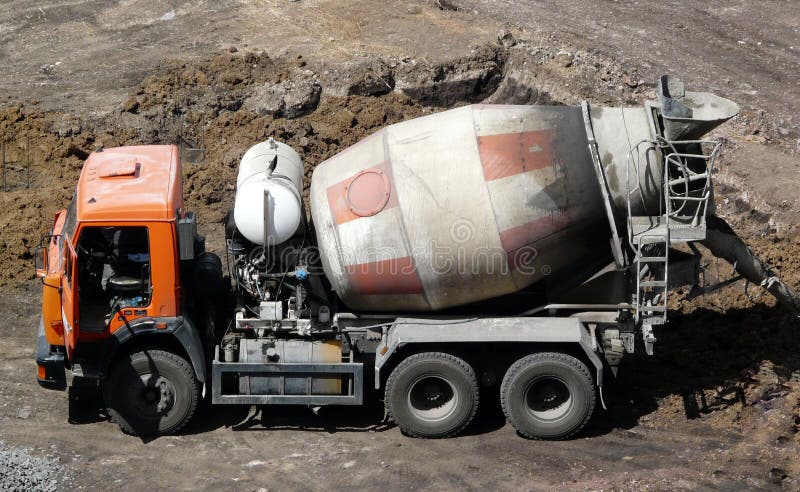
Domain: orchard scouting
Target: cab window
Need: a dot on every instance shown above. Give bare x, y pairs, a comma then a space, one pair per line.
113, 273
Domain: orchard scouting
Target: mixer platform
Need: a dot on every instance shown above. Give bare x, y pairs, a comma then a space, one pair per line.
653, 229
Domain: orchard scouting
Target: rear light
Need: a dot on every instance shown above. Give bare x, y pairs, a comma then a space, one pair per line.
41, 372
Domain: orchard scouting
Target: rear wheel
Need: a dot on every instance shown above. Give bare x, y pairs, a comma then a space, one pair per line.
151, 392
432, 395
548, 395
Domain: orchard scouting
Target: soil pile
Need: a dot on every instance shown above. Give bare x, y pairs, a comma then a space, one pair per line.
198, 105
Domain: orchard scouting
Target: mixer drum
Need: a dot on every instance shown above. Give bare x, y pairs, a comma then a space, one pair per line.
458, 207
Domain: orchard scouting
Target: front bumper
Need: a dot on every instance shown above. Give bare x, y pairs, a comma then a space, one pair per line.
50, 370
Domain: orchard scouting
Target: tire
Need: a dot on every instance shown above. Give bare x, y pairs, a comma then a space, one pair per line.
151, 392
548, 395
432, 395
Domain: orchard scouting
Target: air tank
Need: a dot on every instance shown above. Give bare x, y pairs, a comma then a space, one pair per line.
268, 206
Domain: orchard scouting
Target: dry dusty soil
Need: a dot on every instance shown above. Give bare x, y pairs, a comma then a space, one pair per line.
717, 407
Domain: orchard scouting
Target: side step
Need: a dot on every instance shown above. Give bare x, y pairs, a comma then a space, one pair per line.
351, 375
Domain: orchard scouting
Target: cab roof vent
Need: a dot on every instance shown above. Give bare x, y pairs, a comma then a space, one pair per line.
116, 169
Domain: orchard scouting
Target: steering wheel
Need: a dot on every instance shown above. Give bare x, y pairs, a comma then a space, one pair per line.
101, 245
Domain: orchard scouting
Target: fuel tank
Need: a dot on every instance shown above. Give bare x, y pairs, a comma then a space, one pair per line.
471, 203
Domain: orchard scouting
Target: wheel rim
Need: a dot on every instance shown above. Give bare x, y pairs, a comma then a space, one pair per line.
548, 398
432, 398
154, 398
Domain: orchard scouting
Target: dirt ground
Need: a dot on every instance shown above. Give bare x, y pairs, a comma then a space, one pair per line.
717, 407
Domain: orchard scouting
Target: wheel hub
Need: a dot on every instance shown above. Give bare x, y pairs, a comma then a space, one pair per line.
548, 399
157, 395
432, 398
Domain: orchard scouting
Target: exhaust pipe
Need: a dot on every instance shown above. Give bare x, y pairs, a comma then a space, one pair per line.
723, 243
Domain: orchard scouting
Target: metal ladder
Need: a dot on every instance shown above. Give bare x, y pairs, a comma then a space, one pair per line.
680, 219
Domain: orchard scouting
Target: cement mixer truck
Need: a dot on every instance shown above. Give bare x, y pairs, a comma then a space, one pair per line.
523, 250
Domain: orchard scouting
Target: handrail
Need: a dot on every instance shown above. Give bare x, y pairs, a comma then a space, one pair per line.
616, 244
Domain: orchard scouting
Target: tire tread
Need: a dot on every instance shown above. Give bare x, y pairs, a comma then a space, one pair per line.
426, 356
185, 366
521, 364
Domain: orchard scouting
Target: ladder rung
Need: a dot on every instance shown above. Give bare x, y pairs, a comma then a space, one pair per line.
646, 259
653, 283
644, 240
690, 178
688, 198
654, 309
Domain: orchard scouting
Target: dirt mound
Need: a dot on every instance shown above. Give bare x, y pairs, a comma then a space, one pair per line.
199, 104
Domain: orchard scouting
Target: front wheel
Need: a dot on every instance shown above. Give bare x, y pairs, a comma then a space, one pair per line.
151, 392
432, 395
548, 395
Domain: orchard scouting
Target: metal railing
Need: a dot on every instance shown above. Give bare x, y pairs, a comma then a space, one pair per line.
677, 162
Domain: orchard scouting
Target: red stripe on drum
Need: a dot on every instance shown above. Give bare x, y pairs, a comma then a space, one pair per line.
507, 154
527, 259
386, 277
364, 194
527, 234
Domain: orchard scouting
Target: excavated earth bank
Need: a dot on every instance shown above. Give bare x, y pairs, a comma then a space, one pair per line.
730, 358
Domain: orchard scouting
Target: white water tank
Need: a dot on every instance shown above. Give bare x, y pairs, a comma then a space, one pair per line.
283, 184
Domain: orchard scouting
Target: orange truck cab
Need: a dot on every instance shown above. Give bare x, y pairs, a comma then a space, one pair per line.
120, 268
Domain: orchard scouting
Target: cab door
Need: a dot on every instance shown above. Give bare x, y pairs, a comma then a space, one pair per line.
69, 297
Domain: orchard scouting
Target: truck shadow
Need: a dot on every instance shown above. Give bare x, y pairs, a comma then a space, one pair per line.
367, 418
708, 360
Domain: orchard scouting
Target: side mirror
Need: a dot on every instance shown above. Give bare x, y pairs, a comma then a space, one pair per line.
41, 255
40, 261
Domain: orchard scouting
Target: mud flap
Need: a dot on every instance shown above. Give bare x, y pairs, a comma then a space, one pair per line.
51, 373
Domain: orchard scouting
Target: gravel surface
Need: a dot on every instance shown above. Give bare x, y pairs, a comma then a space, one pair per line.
21, 471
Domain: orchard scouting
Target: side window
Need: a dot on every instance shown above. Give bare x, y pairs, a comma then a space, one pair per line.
68, 266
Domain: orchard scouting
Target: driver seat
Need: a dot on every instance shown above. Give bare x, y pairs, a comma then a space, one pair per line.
124, 284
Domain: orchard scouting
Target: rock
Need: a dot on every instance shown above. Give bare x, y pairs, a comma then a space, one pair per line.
777, 475
446, 5
67, 127
302, 100
290, 99
506, 38
232, 49
19, 470
363, 77
564, 58
467, 79
629, 82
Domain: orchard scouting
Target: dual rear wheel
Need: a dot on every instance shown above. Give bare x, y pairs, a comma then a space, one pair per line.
545, 395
